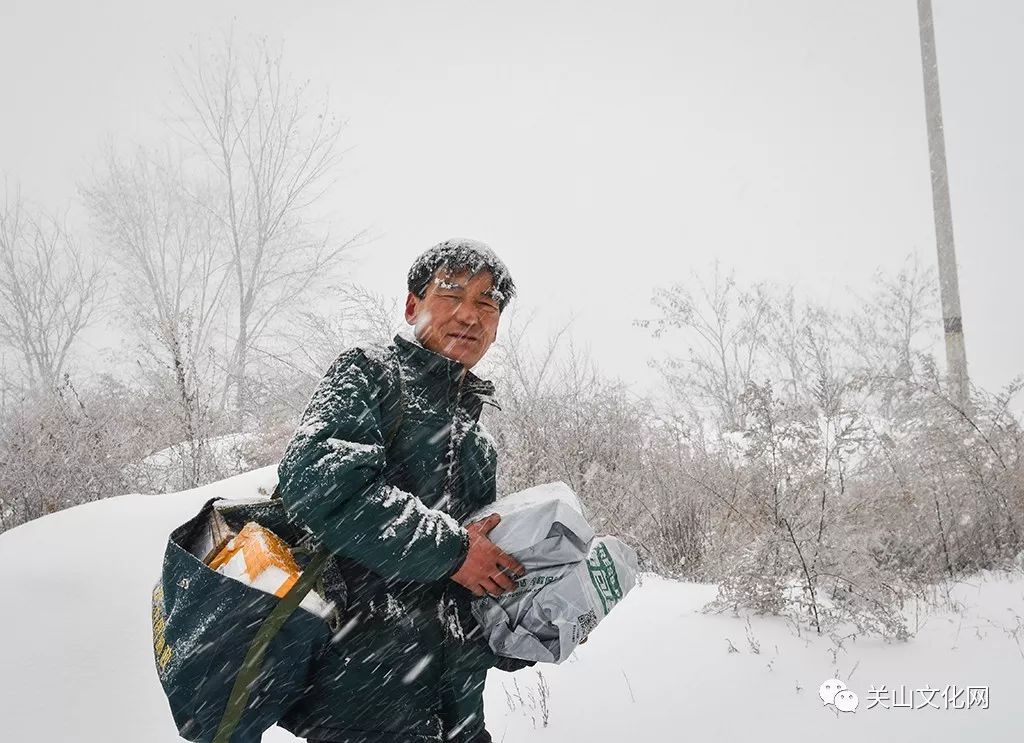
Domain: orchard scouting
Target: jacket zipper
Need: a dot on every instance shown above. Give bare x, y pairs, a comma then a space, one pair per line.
449, 478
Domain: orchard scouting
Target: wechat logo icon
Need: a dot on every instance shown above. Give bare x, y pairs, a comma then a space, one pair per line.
834, 692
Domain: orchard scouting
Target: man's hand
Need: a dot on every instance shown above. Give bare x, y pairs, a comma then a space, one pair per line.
481, 572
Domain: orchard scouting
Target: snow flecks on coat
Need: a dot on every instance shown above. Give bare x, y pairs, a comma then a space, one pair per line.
391, 607
346, 629
309, 428
440, 435
345, 454
416, 670
486, 438
429, 522
447, 616
379, 353
460, 426
461, 726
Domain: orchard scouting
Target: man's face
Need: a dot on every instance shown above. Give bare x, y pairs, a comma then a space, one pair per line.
457, 316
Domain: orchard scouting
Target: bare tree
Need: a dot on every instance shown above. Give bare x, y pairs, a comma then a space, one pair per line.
175, 268
288, 365
270, 154
724, 326
896, 322
49, 291
169, 247
315, 339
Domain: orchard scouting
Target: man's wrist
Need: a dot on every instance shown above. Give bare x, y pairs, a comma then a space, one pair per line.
461, 557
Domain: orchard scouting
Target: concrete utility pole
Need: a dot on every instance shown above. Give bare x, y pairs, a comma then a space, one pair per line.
949, 284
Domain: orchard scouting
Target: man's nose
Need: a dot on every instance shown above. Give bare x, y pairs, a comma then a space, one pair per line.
466, 313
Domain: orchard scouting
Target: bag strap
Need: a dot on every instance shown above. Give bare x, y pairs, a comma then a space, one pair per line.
253, 662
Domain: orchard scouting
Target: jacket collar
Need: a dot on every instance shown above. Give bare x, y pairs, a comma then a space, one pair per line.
444, 368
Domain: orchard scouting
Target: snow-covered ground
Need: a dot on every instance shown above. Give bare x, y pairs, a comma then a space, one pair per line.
76, 662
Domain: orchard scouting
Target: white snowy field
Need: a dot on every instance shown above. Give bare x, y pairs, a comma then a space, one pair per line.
76, 661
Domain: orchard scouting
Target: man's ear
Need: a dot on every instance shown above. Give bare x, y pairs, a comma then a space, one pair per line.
412, 305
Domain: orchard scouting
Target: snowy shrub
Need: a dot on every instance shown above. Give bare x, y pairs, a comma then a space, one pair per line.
838, 476
62, 448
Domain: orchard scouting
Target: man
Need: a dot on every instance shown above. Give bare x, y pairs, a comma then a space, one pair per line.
388, 459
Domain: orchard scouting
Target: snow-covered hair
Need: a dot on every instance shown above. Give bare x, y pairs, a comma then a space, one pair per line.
458, 255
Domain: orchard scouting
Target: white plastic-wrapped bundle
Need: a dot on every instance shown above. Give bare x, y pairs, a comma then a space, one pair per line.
573, 579
541, 526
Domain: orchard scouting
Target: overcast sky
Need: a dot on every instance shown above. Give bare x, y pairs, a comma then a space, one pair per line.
601, 148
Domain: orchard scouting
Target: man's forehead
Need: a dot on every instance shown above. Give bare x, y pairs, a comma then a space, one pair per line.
444, 277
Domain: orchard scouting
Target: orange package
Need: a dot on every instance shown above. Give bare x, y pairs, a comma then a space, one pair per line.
258, 557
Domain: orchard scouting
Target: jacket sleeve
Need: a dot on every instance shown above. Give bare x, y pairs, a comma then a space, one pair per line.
331, 479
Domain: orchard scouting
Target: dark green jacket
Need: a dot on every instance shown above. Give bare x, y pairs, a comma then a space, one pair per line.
383, 471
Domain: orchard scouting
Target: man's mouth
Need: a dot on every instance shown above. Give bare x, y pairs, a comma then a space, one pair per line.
461, 337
